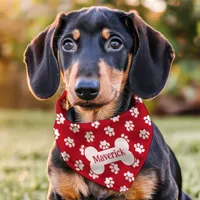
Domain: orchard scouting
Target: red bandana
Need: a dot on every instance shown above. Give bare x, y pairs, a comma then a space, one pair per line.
109, 152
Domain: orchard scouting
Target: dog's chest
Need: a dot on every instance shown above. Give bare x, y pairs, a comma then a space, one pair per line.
70, 185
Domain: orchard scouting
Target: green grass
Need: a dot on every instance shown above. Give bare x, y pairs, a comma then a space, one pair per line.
26, 138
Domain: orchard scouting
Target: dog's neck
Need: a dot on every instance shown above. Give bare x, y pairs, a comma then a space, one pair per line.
81, 115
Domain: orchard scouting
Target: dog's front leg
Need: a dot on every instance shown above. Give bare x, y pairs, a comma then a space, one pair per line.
52, 195
65, 183
167, 190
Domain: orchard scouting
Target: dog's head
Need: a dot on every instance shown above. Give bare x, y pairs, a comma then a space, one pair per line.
98, 51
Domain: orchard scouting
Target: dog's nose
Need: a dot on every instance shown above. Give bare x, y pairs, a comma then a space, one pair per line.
87, 88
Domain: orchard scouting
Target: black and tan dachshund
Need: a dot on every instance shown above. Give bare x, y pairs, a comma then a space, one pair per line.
104, 56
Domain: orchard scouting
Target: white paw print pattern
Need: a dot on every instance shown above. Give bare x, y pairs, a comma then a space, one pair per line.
115, 119
74, 127
147, 120
56, 133
93, 175
129, 176
63, 104
69, 142
109, 182
82, 150
65, 156
79, 165
60, 118
123, 189
144, 134
139, 148
114, 168
138, 99
134, 112
125, 137
129, 125
95, 124
136, 163
104, 145
109, 131
89, 136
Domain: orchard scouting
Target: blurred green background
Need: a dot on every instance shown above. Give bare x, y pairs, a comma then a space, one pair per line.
178, 20
26, 124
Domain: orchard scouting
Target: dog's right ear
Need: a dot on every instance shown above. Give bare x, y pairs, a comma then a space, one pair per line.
152, 60
43, 72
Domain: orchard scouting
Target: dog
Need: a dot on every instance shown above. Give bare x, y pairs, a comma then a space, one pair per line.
104, 56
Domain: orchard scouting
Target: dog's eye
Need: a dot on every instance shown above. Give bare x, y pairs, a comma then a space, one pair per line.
69, 45
114, 44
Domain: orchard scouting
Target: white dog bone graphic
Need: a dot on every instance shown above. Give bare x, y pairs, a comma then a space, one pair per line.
98, 160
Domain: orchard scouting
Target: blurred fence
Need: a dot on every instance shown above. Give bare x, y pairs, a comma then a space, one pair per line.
178, 20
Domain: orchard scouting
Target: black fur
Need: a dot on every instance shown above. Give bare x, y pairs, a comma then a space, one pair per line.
40, 57
151, 64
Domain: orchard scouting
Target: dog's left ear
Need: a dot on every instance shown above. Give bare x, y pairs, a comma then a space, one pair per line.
40, 57
151, 63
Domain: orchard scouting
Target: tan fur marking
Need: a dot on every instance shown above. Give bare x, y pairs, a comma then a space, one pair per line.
143, 187
110, 82
49, 192
76, 34
126, 73
97, 114
68, 185
70, 79
106, 33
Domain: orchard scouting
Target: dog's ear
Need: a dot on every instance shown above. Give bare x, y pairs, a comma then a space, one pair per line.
43, 72
151, 63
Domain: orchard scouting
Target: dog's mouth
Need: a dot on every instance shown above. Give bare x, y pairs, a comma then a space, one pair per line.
89, 105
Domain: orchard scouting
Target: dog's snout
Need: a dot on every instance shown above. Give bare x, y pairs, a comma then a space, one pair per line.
87, 88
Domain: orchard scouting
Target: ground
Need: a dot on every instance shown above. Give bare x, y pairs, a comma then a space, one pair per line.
26, 137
